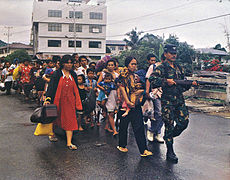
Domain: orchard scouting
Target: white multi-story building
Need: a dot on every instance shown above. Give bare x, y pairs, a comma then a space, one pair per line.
53, 27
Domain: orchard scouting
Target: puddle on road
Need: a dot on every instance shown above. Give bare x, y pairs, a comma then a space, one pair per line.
100, 144
27, 124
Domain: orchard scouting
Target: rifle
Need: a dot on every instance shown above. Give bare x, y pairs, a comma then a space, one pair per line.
189, 82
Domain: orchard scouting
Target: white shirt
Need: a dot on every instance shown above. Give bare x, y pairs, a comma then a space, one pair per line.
103, 74
7, 78
13, 66
81, 70
65, 76
156, 91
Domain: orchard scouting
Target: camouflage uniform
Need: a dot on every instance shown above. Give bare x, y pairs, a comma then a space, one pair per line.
172, 100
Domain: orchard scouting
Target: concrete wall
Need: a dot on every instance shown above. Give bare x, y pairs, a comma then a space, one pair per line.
201, 93
207, 94
40, 16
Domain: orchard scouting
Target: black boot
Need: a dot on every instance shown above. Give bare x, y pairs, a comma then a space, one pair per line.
171, 156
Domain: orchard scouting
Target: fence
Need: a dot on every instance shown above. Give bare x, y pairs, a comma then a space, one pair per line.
211, 92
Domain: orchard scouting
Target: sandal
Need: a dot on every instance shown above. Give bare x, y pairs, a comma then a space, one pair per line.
146, 153
53, 138
115, 133
72, 147
122, 149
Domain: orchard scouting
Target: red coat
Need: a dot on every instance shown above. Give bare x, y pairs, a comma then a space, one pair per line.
63, 92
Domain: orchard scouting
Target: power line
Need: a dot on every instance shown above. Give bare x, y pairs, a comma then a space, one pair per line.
151, 14
178, 25
91, 8
19, 32
74, 25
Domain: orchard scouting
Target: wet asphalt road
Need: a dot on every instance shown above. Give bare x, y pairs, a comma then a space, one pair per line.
203, 151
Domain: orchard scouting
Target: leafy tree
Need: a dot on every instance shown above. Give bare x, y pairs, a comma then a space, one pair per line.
134, 38
150, 43
140, 54
2, 43
185, 53
154, 42
218, 47
173, 39
21, 54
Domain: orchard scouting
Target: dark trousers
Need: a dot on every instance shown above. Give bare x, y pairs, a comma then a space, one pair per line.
136, 118
27, 88
8, 86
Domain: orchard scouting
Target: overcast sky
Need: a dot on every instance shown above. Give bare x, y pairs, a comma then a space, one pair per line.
123, 15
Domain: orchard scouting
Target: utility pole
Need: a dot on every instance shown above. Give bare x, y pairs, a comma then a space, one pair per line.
228, 39
226, 33
8, 37
74, 5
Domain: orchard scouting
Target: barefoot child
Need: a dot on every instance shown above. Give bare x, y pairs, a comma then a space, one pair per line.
105, 86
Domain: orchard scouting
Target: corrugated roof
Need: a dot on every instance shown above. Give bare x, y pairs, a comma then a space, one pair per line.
211, 51
2, 43
115, 42
18, 46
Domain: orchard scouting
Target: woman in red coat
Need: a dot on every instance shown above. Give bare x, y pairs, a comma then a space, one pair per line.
63, 91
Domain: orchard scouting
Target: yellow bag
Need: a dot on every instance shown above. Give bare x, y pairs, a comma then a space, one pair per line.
44, 130
16, 73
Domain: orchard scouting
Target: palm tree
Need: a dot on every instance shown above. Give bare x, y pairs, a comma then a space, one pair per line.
134, 37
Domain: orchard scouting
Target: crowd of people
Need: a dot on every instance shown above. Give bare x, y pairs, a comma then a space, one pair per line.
129, 94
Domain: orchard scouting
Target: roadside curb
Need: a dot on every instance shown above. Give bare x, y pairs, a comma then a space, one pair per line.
205, 108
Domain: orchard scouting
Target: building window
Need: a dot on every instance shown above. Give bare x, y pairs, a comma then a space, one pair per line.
121, 48
78, 44
54, 13
112, 48
78, 14
79, 1
94, 44
54, 27
54, 43
95, 15
95, 57
95, 28
78, 27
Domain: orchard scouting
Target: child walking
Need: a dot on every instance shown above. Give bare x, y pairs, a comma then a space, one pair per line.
91, 84
82, 93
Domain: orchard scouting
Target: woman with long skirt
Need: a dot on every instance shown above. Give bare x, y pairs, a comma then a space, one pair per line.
63, 92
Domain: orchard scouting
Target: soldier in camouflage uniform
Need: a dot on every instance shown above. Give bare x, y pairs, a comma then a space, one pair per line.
172, 100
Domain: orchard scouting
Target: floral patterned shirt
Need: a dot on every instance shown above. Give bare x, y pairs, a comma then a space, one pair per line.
25, 74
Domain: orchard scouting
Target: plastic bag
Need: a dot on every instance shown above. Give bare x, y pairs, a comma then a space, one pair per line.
89, 103
2, 87
36, 117
44, 130
148, 110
